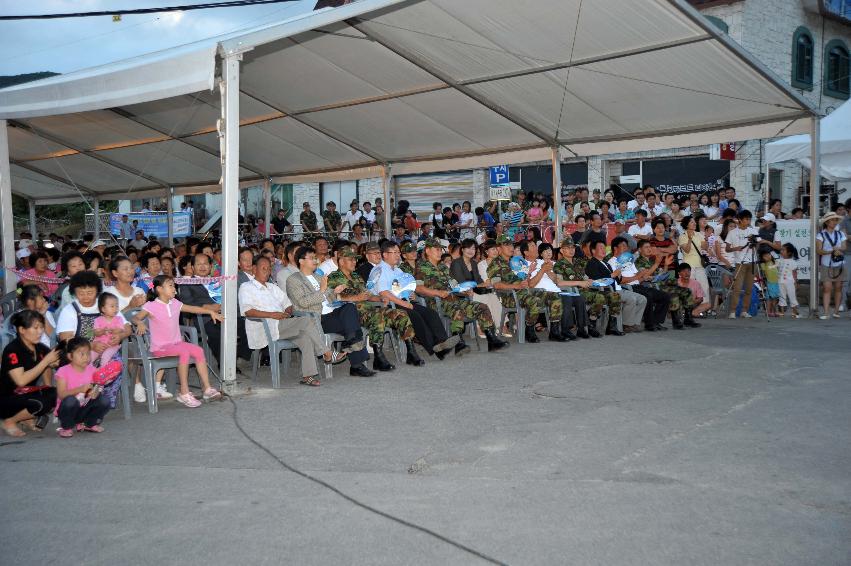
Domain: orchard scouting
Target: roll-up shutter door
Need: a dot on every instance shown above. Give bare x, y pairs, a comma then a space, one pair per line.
424, 190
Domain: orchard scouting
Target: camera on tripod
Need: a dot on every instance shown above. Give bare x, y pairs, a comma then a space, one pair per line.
753, 239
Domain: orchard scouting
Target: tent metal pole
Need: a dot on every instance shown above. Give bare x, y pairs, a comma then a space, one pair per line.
229, 88
386, 180
7, 226
33, 226
97, 219
815, 197
267, 202
556, 160
169, 206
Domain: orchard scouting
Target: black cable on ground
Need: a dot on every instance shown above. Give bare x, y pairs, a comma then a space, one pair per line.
356, 502
184, 8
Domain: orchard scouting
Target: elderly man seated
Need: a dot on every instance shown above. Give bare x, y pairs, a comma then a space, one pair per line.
260, 299
658, 302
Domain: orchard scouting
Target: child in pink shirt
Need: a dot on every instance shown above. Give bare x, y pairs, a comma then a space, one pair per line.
110, 328
164, 310
80, 406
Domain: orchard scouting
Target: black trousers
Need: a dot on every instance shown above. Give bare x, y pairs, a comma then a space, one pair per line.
90, 414
37, 403
428, 328
214, 337
658, 303
346, 321
574, 312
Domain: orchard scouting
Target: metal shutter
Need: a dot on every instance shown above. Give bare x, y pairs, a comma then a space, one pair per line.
424, 190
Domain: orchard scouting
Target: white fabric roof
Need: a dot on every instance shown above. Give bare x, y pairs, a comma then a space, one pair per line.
426, 85
835, 139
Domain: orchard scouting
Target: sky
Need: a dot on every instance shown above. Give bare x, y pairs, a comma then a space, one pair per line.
65, 45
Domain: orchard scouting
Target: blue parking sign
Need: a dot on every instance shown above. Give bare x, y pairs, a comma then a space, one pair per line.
499, 176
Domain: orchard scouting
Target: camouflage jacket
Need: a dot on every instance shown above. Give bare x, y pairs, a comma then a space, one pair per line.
332, 220
406, 267
354, 283
434, 276
308, 220
571, 271
499, 268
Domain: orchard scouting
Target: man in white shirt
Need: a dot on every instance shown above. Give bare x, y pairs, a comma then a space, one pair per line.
353, 215
368, 213
653, 207
741, 242
260, 299
637, 201
641, 230
139, 242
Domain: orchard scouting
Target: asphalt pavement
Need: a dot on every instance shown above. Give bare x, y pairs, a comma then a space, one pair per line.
727, 444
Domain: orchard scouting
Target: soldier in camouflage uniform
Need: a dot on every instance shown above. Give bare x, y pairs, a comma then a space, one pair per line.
681, 297
438, 283
533, 302
571, 268
331, 219
309, 223
408, 250
376, 318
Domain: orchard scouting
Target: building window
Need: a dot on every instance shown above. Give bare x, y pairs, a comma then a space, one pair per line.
719, 23
802, 59
836, 69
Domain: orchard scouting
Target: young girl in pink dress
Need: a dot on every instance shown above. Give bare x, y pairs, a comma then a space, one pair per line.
164, 313
110, 328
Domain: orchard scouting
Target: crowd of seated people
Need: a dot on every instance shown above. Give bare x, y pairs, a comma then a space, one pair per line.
78, 301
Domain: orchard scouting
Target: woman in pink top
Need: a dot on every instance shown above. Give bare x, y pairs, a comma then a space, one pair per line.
38, 261
164, 313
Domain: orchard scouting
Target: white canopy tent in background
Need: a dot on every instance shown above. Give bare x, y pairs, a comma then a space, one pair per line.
835, 146
388, 87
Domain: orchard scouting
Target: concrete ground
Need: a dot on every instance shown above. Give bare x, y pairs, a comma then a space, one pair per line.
723, 445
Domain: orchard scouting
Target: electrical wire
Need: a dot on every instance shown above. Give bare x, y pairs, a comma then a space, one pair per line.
353, 500
182, 8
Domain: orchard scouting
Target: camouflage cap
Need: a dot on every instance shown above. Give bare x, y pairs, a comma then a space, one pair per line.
567, 242
408, 247
348, 252
433, 243
371, 247
503, 239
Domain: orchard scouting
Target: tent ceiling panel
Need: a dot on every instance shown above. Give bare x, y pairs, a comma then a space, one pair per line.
172, 161
99, 129
24, 145
89, 172
185, 115
315, 77
287, 145
398, 129
37, 186
471, 39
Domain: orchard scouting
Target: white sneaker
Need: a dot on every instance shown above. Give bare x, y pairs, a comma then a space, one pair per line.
746, 315
732, 315
139, 393
822, 317
162, 392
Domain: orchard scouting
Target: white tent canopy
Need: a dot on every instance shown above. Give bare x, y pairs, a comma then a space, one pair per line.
389, 86
416, 84
835, 146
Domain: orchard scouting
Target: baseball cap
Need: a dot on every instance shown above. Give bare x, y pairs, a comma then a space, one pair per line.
432, 243
371, 247
769, 217
567, 243
348, 252
22, 253
408, 247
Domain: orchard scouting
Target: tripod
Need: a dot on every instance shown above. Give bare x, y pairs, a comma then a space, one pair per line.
757, 274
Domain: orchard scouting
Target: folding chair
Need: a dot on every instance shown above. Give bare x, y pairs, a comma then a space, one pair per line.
519, 315
151, 365
277, 349
715, 273
200, 320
